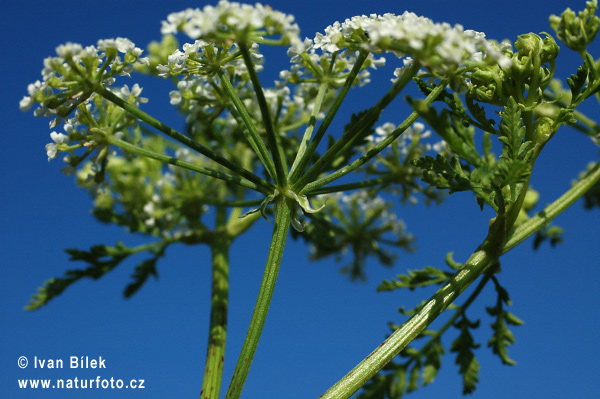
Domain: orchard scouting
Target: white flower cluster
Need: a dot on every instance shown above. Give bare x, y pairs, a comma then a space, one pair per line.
413, 136
438, 46
314, 65
232, 20
370, 205
63, 86
202, 58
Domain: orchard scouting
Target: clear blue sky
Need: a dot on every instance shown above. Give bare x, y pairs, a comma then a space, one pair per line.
320, 325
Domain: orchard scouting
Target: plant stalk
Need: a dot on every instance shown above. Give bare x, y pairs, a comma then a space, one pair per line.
485, 257
280, 232
217, 334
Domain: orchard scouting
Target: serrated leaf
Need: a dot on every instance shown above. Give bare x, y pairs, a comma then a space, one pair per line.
415, 278
512, 134
512, 319
433, 360
458, 137
463, 346
502, 337
442, 174
413, 379
577, 81
142, 271
102, 259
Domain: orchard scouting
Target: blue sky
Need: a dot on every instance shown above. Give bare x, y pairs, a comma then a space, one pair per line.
320, 325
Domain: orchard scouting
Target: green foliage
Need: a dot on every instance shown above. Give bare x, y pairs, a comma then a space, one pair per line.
419, 368
553, 234
592, 197
502, 336
586, 82
240, 139
463, 346
490, 174
416, 278
101, 259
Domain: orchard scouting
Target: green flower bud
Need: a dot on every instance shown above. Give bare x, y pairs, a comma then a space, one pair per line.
531, 199
577, 31
549, 49
544, 128
528, 44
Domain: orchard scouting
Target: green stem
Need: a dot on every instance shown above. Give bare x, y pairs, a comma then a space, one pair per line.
280, 232
365, 370
265, 189
311, 126
215, 353
373, 151
250, 131
378, 181
312, 147
478, 263
544, 217
144, 117
266, 116
459, 312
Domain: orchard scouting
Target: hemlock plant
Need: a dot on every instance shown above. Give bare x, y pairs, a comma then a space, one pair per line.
252, 152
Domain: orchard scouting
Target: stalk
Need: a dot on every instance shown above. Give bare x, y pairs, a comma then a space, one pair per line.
184, 164
144, 117
365, 370
280, 170
250, 131
313, 172
485, 257
312, 147
280, 232
217, 333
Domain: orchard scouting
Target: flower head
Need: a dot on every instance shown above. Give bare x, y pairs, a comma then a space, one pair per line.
438, 46
69, 77
232, 21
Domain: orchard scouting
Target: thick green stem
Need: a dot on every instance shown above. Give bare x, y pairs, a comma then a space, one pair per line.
366, 369
280, 232
544, 217
483, 258
217, 334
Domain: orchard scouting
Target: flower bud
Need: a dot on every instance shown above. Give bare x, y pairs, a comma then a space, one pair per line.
577, 31
543, 129
549, 49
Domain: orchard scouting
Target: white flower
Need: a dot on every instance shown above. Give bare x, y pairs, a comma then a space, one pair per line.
438, 46
228, 18
52, 148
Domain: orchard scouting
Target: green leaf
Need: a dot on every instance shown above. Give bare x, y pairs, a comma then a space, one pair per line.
463, 346
550, 233
440, 173
512, 134
415, 278
142, 271
502, 337
578, 80
451, 128
433, 360
102, 259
